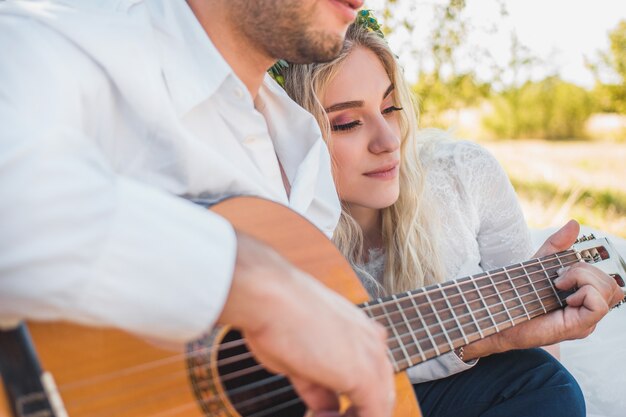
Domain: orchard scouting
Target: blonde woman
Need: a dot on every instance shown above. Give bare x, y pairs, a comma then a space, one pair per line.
419, 208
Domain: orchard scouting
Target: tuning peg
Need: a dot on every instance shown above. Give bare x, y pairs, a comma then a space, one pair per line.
585, 238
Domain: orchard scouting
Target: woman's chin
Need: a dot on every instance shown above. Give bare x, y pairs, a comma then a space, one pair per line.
381, 202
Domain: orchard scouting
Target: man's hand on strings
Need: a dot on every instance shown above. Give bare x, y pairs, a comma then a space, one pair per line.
595, 294
297, 327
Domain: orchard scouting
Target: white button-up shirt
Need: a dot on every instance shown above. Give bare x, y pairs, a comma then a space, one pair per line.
110, 111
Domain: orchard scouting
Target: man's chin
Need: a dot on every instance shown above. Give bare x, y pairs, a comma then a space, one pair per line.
325, 48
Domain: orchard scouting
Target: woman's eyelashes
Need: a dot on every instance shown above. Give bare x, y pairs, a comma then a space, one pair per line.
391, 109
343, 127
346, 126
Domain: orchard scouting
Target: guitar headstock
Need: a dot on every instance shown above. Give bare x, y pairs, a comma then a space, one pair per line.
601, 253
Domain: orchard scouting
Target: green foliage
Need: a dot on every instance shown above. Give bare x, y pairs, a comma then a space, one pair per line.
611, 95
549, 109
444, 87
456, 92
618, 50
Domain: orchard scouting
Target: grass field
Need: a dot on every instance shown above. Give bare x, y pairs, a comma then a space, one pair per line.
557, 181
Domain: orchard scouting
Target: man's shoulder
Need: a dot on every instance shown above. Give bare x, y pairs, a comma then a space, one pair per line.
55, 9
74, 19
41, 8
101, 31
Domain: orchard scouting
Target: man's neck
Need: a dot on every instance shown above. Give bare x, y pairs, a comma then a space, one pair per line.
246, 60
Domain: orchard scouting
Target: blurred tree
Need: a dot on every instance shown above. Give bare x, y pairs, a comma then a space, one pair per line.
548, 109
610, 73
442, 85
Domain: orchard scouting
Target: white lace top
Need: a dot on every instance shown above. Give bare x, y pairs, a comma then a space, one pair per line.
481, 226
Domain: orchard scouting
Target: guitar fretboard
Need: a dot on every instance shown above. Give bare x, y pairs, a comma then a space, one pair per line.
433, 320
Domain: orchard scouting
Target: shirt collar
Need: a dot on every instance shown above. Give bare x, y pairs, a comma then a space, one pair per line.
193, 68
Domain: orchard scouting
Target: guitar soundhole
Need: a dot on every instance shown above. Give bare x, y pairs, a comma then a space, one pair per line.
252, 390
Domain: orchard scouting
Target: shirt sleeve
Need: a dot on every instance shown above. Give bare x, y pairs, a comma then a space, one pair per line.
441, 367
502, 233
79, 241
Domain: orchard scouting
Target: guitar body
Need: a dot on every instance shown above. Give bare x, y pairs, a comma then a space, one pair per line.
105, 372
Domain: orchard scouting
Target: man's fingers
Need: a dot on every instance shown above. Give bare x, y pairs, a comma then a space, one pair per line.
561, 240
589, 298
581, 274
374, 406
618, 296
316, 397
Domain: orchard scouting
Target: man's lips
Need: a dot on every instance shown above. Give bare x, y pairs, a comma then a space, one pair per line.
355, 4
348, 8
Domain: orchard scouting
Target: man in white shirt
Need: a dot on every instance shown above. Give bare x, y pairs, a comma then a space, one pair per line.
111, 109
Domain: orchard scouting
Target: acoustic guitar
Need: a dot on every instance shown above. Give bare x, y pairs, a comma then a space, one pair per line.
63, 369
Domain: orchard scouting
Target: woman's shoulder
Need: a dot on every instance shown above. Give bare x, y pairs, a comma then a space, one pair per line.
442, 152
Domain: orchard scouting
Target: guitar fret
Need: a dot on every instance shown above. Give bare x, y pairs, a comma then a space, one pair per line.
506, 310
469, 308
397, 336
426, 329
534, 289
485, 305
368, 311
517, 293
545, 271
410, 328
445, 333
453, 312
381, 303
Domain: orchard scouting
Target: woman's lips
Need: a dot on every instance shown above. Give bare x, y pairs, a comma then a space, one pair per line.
385, 172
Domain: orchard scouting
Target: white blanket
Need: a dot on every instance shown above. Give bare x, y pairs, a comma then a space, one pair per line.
599, 362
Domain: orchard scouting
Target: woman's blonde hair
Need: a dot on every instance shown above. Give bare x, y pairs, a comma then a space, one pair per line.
408, 229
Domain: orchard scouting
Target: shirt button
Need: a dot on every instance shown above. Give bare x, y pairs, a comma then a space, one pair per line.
238, 93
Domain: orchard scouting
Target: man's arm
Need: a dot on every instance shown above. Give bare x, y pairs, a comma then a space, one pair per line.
82, 242
596, 293
296, 326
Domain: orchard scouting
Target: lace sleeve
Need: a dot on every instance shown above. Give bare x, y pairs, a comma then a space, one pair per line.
502, 234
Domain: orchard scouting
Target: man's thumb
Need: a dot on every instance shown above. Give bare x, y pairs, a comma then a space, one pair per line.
561, 240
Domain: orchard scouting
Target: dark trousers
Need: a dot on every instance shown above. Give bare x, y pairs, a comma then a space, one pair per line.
517, 383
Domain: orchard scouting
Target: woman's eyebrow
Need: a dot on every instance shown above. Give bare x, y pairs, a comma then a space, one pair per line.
389, 90
344, 105
354, 103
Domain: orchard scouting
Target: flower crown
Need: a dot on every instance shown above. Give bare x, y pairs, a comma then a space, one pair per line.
364, 19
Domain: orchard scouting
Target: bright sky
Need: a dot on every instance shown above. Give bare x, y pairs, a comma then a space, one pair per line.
560, 32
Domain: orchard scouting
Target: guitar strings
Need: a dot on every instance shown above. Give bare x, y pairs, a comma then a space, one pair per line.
486, 318
266, 396
245, 371
432, 350
483, 276
386, 315
239, 342
242, 341
280, 391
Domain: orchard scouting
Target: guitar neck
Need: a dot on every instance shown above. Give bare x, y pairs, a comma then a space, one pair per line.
433, 320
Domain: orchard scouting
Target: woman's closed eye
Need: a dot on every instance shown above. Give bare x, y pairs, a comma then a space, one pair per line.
346, 126
391, 109
343, 127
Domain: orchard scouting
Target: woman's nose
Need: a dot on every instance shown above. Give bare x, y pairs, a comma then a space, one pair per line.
384, 139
